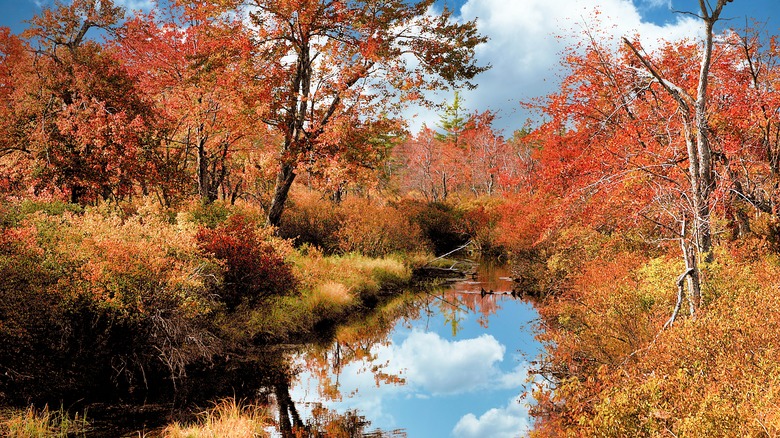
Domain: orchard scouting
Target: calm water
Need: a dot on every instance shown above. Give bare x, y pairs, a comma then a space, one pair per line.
454, 364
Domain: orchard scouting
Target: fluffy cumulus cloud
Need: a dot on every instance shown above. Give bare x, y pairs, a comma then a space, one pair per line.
510, 421
527, 39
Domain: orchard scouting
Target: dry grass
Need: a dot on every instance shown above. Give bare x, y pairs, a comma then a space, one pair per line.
333, 292
227, 419
359, 274
34, 423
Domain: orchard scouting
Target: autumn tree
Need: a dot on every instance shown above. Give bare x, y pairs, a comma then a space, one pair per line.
331, 67
190, 64
627, 135
451, 124
85, 127
426, 167
474, 158
16, 61
745, 110
360, 162
694, 115
487, 157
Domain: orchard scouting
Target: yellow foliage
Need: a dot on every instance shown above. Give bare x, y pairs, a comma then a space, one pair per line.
621, 375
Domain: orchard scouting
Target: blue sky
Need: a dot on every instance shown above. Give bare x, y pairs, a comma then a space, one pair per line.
527, 38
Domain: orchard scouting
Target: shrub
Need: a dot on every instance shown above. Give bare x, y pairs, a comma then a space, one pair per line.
616, 372
30, 316
100, 305
309, 219
374, 230
209, 215
253, 267
439, 223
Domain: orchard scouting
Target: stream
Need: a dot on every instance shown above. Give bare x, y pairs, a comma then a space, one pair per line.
450, 363
446, 362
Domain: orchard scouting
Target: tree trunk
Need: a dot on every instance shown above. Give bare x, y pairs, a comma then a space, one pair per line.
694, 280
205, 191
444, 190
76, 192
295, 138
705, 175
284, 180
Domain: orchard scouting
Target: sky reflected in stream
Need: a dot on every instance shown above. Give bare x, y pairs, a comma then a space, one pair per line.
456, 368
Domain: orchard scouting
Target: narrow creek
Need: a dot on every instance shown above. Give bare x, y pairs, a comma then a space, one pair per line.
453, 362
449, 362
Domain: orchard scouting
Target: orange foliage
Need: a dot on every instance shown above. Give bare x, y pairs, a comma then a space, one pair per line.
376, 230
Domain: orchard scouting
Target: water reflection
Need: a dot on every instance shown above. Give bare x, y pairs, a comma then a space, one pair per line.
450, 363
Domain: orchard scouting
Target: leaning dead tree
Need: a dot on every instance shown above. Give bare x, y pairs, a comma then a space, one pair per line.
693, 113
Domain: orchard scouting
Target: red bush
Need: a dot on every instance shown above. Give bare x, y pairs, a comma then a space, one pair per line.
253, 268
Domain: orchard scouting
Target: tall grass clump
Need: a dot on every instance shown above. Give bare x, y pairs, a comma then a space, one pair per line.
44, 423
229, 418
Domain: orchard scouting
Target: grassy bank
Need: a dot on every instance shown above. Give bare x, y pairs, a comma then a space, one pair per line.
121, 301
41, 423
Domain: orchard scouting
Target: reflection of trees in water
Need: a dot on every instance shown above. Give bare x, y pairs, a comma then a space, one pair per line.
353, 342
324, 422
482, 296
357, 342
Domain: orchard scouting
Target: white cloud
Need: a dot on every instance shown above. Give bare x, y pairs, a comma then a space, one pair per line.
527, 39
135, 5
510, 421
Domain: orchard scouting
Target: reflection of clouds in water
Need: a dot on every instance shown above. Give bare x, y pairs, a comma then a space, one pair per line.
431, 367
440, 367
509, 421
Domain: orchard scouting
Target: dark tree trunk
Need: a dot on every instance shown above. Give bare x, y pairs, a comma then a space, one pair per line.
76, 192
204, 180
284, 180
